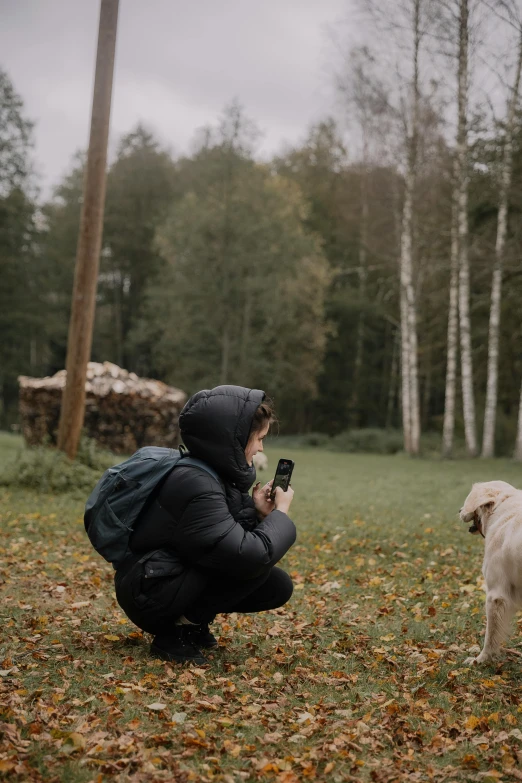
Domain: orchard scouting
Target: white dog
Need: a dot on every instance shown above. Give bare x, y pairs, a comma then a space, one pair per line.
495, 509
260, 461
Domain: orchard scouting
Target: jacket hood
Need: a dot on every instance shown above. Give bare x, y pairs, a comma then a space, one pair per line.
215, 425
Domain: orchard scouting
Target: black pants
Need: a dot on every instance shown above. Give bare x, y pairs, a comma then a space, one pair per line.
269, 591
154, 605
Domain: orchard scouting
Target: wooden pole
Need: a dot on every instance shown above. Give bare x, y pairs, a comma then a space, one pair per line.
89, 239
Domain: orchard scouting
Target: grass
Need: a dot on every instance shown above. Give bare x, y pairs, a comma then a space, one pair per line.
360, 677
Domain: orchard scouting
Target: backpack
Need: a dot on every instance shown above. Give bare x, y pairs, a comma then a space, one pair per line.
120, 495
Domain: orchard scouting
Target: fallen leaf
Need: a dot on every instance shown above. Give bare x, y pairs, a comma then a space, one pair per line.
274, 737
76, 739
305, 716
482, 740
287, 777
330, 586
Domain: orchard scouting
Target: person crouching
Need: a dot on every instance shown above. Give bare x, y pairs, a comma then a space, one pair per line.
203, 545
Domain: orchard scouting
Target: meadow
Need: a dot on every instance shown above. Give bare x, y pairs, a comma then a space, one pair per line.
361, 677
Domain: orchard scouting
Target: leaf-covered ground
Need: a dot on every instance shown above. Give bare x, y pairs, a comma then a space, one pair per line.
361, 677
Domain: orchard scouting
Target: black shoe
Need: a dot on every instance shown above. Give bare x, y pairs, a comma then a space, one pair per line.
201, 636
178, 646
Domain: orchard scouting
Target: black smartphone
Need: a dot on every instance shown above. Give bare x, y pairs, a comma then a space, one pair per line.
282, 476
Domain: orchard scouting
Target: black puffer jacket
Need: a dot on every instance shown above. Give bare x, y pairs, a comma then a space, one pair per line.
196, 525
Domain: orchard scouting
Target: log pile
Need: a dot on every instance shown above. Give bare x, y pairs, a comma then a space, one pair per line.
122, 411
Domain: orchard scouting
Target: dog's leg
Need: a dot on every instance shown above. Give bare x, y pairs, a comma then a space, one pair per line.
499, 611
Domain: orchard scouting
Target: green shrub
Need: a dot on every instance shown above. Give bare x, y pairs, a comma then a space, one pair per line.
315, 440
431, 445
369, 441
46, 469
92, 456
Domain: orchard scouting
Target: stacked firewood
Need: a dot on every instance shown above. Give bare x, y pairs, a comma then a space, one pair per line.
122, 411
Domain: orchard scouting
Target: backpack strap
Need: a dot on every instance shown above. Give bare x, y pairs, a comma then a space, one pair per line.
198, 463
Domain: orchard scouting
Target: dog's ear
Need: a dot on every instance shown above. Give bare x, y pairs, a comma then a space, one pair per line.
484, 497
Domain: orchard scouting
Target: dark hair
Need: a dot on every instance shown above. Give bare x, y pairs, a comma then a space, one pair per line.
265, 414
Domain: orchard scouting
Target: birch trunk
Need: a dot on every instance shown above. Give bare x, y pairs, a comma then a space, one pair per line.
518, 448
363, 277
409, 349
402, 355
393, 380
490, 413
410, 379
448, 428
468, 398
414, 371
405, 370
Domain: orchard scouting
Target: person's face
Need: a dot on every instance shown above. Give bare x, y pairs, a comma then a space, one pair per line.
255, 443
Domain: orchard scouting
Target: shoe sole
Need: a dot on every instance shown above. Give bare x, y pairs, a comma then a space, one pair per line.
165, 656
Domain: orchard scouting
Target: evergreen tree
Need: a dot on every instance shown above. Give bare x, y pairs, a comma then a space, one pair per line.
241, 300
140, 188
20, 303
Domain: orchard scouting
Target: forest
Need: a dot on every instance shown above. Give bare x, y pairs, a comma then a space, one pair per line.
368, 277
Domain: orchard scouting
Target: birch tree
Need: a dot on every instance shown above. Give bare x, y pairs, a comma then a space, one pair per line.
409, 348
448, 429
518, 447
462, 181
505, 176
414, 16
367, 107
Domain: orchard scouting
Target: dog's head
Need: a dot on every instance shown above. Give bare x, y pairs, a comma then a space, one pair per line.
483, 499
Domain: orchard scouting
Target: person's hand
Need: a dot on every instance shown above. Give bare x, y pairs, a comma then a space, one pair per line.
283, 500
261, 496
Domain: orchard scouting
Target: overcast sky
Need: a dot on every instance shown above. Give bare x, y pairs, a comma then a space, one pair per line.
178, 62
